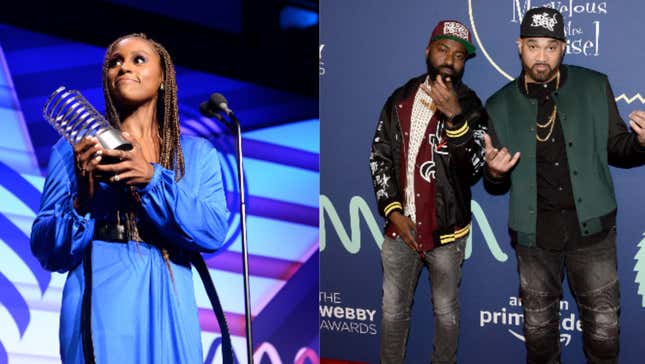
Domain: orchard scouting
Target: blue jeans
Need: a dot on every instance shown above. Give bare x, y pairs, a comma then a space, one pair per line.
401, 270
593, 278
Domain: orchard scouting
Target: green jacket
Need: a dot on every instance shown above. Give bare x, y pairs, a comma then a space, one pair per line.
583, 113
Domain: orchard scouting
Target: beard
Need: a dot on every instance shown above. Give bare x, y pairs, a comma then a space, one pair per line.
543, 75
540, 75
444, 71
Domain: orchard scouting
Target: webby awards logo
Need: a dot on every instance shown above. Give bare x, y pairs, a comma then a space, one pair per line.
338, 316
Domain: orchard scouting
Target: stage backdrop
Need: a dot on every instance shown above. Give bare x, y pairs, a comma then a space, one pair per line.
370, 47
281, 168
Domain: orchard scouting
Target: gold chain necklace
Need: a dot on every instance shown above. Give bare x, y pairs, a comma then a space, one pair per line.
550, 123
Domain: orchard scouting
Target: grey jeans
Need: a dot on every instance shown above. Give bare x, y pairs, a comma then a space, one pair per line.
401, 269
593, 278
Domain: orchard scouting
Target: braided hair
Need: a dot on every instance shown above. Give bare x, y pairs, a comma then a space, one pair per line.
171, 155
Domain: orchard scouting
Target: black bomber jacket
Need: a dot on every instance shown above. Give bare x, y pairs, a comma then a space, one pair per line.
455, 171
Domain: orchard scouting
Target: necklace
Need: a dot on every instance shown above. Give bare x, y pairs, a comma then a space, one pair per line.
550, 123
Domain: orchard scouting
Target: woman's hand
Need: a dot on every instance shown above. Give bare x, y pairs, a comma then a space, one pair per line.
132, 168
87, 156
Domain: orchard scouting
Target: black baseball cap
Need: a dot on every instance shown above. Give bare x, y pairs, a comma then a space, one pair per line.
543, 22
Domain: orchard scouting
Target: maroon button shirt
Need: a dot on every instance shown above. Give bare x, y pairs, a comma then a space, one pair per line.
424, 193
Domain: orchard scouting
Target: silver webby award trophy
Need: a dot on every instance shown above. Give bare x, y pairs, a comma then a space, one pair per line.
74, 118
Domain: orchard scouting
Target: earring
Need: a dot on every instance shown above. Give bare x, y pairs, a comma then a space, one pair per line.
161, 87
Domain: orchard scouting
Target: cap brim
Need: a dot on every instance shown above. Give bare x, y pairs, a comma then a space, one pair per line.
539, 35
470, 49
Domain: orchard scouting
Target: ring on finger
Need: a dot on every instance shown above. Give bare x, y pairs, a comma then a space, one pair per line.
116, 178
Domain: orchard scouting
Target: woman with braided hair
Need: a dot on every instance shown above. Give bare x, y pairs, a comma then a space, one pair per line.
125, 230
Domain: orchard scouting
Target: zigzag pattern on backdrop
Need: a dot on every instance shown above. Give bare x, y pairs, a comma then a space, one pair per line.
629, 100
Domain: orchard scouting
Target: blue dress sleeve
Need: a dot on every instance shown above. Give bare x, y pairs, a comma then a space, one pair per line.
190, 213
59, 235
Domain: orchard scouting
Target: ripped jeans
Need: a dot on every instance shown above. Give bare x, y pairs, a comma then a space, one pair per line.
593, 278
401, 270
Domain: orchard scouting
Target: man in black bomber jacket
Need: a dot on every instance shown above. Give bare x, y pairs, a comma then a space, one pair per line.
426, 153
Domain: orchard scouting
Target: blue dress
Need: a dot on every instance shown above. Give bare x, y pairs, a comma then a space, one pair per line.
138, 314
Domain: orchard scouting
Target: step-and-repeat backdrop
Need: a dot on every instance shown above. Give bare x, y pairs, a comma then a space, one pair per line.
370, 47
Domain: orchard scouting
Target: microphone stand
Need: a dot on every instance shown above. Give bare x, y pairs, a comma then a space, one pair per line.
237, 130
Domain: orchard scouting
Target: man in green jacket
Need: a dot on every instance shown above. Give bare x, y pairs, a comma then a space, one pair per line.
552, 134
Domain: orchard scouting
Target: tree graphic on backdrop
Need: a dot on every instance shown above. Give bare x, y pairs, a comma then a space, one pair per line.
640, 268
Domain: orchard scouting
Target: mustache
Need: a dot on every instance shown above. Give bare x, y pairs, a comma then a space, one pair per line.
445, 70
447, 67
541, 64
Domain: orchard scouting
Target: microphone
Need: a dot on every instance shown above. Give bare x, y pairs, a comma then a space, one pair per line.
74, 118
206, 110
218, 102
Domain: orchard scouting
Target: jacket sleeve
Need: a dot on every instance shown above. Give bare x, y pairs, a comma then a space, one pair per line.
501, 185
382, 159
623, 147
192, 214
466, 138
59, 235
